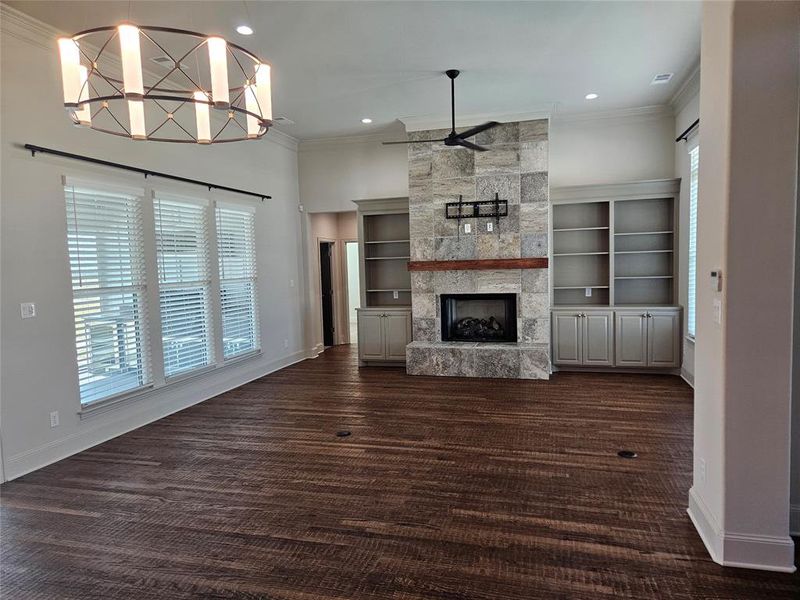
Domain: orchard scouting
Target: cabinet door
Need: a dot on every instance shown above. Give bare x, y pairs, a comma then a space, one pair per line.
598, 338
397, 334
663, 339
370, 336
566, 338
631, 339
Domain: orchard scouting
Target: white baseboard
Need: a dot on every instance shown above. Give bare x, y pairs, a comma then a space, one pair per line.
316, 351
794, 519
161, 406
745, 551
687, 377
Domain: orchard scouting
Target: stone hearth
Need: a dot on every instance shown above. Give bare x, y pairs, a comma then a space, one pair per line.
515, 167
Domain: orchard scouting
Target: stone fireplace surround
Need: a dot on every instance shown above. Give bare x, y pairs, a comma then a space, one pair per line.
516, 167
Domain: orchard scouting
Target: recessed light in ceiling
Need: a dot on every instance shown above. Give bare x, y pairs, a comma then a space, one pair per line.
244, 30
366, 120
591, 96
661, 78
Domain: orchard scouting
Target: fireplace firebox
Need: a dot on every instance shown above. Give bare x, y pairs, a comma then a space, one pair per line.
479, 317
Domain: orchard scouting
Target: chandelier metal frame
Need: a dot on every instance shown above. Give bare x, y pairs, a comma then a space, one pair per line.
161, 91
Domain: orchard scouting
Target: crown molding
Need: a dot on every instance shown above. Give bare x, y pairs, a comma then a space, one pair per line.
332, 142
282, 139
22, 26
642, 113
425, 123
688, 90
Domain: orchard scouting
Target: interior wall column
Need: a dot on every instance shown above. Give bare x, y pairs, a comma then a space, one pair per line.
739, 500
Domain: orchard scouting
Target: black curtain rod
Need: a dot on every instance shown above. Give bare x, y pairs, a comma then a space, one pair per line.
146, 172
685, 134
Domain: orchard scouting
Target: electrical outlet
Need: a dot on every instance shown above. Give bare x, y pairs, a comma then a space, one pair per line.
490, 226
27, 310
395, 294
286, 343
54, 419
701, 470
467, 228
588, 292
291, 283
717, 311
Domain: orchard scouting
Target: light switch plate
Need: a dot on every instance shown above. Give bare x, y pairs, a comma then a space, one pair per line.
27, 310
467, 228
54, 419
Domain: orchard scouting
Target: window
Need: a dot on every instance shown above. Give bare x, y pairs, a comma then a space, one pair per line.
184, 279
694, 164
104, 238
237, 274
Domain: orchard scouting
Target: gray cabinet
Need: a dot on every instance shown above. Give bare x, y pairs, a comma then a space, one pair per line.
648, 338
383, 335
583, 338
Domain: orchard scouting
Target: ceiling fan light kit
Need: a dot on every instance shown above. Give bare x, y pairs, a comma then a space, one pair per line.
454, 138
93, 87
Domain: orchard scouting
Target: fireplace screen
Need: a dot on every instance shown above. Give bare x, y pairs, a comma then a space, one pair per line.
479, 317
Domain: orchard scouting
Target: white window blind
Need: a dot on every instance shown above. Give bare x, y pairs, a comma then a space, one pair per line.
694, 164
104, 238
237, 273
184, 276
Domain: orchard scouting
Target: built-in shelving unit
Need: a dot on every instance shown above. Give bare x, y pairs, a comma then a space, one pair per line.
614, 245
385, 252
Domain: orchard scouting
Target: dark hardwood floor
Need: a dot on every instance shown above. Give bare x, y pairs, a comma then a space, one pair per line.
447, 489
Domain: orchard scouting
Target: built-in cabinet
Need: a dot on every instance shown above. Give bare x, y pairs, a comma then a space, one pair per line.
384, 319
383, 334
614, 273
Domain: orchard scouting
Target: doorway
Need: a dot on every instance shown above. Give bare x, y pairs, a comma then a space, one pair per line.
326, 290
353, 289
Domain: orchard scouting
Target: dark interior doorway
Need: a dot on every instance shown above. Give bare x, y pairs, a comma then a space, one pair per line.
326, 286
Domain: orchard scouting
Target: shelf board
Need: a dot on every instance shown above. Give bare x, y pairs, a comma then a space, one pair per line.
389, 290
581, 254
388, 258
646, 277
580, 287
580, 229
644, 232
389, 242
642, 251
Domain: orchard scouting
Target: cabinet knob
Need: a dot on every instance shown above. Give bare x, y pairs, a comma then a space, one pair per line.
644, 315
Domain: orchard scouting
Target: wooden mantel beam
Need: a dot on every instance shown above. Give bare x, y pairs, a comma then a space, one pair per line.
491, 264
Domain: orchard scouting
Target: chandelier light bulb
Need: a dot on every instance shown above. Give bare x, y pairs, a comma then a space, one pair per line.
264, 90
202, 114
131, 61
136, 115
251, 104
218, 61
70, 73
83, 115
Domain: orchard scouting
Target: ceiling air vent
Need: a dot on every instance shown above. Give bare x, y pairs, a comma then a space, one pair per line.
166, 62
282, 121
661, 78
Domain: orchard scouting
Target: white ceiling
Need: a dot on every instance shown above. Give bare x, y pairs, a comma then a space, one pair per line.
336, 62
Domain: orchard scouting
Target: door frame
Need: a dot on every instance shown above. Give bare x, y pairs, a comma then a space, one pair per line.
334, 275
346, 287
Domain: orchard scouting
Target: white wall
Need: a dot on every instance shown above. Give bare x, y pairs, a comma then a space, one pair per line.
687, 113
612, 147
335, 172
39, 373
746, 215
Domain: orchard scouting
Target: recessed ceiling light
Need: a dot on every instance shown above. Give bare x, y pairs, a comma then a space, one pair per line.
366, 120
591, 96
244, 30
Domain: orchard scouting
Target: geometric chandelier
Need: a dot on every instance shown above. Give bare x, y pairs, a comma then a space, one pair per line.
165, 85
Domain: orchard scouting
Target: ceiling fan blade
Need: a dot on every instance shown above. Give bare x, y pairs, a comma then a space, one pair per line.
412, 142
478, 129
470, 145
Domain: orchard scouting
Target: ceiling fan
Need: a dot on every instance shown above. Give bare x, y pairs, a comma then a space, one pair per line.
453, 138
